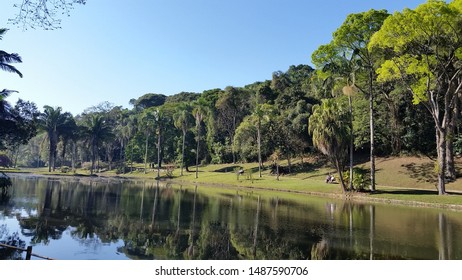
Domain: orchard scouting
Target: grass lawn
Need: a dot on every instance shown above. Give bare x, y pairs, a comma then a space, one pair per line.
407, 180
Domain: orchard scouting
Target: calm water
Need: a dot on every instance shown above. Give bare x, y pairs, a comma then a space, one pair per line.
111, 219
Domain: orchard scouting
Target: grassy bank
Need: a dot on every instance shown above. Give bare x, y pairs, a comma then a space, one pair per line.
404, 180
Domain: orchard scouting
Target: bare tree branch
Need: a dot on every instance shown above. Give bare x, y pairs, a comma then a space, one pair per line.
44, 14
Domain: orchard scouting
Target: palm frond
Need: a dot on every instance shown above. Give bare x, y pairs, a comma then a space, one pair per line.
2, 31
10, 68
9, 57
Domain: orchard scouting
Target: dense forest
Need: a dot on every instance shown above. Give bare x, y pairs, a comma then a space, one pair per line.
386, 84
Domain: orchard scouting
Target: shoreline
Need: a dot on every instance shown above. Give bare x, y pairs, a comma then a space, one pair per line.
364, 197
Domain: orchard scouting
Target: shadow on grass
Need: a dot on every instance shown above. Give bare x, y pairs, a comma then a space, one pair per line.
413, 192
423, 173
228, 169
407, 192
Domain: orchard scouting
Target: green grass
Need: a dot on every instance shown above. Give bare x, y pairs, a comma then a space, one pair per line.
404, 180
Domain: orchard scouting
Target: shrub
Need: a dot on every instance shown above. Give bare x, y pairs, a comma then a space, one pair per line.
361, 178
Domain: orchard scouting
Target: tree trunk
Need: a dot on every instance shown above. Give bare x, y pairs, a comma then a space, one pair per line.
289, 163
351, 142
158, 155
146, 153
50, 154
182, 152
232, 140
454, 117
372, 152
93, 158
197, 150
277, 169
73, 157
441, 149
450, 164
340, 175
259, 147
131, 157
55, 156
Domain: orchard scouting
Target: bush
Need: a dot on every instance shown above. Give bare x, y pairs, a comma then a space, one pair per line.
361, 178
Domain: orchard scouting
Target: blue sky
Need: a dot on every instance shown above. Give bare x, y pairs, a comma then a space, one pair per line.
114, 50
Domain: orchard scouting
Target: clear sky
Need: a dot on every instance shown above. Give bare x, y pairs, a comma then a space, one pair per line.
115, 50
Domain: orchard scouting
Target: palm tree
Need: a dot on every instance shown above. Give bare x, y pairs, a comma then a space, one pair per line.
127, 130
68, 134
199, 112
350, 91
147, 121
260, 113
182, 120
52, 120
329, 127
97, 131
159, 118
7, 58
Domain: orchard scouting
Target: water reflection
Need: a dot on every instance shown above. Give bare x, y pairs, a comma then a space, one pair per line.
111, 219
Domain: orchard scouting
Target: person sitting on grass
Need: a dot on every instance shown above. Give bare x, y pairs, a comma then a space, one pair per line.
330, 178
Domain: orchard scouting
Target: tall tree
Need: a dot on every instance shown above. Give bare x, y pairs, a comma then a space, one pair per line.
183, 120
97, 130
69, 133
426, 45
52, 120
159, 115
340, 73
147, 123
352, 37
200, 111
260, 113
24, 124
232, 106
329, 128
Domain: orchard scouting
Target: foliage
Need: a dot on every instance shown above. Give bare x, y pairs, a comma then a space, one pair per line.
329, 128
149, 100
394, 67
361, 178
423, 46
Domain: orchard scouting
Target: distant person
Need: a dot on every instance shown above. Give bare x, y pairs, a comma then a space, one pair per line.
330, 178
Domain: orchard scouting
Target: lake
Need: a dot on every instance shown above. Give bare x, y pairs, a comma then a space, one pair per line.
112, 219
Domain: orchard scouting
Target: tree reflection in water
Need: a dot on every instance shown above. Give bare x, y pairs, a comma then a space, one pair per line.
158, 221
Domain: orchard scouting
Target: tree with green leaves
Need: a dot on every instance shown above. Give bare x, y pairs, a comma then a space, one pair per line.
159, 116
147, 123
97, 130
52, 121
200, 112
23, 122
183, 120
329, 128
339, 72
352, 38
261, 112
426, 54
232, 106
